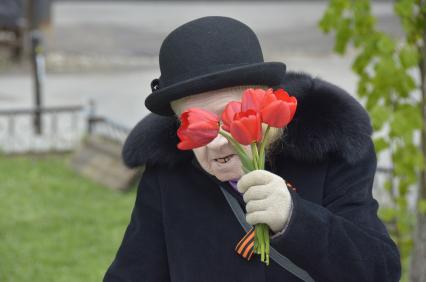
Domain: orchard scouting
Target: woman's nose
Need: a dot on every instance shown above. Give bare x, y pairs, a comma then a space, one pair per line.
218, 142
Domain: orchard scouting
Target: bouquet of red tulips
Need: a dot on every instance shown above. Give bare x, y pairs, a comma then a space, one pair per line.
241, 123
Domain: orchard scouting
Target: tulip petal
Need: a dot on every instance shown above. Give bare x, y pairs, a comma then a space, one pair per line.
246, 127
228, 114
276, 114
269, 98
198, 128
252, 99
241, 133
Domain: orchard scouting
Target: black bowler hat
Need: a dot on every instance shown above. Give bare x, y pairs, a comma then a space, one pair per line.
209, 53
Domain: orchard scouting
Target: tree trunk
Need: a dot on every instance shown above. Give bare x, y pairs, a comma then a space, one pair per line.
418, 257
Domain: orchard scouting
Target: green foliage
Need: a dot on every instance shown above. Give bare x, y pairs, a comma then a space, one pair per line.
380, 144
387, 214
56, 225
409, 56
383, 65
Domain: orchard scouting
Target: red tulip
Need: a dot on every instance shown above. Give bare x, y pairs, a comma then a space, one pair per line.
246, 127
268, 98
253, 99
228, 114
282, 95
198, 128
278, 108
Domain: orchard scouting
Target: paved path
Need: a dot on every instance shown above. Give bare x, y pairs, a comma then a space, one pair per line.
135, 29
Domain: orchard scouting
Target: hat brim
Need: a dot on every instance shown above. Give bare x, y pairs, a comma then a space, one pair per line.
264, 73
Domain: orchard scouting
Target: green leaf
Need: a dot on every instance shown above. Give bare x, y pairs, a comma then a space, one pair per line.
404, 83
380, 144
404, 8
364, 21
385, 69
405, 119
333, 15
374, 97
405, 164
361, 62
343, 35
379, 115
409, 56
413, 115
386, 44
363, 86
327, 22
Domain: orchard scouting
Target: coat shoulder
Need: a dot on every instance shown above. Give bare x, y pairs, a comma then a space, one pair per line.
328, 120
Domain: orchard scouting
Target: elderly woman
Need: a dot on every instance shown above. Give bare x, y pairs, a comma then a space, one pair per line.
315, 193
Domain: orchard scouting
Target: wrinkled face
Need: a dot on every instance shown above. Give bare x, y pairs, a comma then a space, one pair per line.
215, 101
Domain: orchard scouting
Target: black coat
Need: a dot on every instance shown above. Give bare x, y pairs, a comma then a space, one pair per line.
182, 229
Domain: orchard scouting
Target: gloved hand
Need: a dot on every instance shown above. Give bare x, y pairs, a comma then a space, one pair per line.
267, 199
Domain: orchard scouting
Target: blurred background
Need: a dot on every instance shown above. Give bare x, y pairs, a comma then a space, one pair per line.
73, 79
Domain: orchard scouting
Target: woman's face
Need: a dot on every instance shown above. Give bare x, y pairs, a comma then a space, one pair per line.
219, 147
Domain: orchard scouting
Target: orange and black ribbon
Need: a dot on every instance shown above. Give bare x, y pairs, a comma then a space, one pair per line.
245, 246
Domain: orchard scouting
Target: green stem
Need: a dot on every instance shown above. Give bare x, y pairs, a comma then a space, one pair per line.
247, 163
256, 242
246, 170
262, 148
261, 242
255, 154
267, 244
258, 147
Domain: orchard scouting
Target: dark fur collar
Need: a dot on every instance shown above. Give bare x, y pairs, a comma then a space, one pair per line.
327, 121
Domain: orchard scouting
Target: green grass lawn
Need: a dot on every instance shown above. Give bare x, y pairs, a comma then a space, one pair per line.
56, 225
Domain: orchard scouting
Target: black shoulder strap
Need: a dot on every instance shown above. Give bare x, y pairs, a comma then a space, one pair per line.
274, 254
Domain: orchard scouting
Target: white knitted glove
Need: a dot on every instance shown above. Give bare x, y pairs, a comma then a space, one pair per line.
267, 199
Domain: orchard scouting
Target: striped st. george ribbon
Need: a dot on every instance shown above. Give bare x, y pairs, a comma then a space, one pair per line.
245, 246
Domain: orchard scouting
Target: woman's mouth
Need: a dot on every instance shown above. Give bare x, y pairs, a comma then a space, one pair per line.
225, 159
